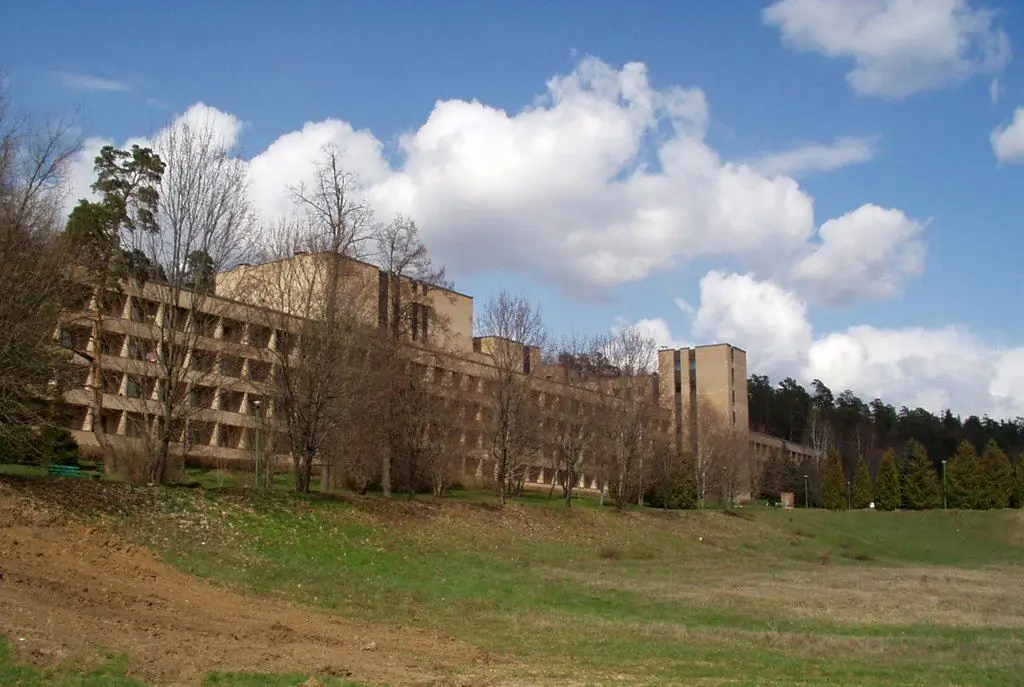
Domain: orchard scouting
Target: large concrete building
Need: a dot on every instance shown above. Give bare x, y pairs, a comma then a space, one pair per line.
259, 309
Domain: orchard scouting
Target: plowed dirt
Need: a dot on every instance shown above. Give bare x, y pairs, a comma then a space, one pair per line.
68, 591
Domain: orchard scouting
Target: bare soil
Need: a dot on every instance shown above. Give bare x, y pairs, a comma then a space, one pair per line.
72, 592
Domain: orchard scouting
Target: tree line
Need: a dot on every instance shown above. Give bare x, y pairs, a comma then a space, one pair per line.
872, 452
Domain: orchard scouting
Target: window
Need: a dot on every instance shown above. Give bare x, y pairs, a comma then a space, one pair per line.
132, 388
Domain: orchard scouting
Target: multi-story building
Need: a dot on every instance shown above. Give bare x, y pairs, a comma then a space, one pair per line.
260, 309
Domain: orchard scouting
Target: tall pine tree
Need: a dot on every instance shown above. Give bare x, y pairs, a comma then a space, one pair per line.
835, 482
921, 488
965, 479
887, 489
997, 476
862, 488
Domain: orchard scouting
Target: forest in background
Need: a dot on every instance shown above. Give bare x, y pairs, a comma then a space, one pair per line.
849, 428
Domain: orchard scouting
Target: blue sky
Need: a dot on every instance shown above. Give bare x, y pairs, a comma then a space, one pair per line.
922, 307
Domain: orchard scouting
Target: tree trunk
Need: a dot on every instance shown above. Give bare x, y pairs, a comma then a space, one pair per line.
385, 474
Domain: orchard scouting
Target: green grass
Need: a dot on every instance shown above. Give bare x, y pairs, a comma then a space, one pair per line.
109, 674
905, 598
761, 597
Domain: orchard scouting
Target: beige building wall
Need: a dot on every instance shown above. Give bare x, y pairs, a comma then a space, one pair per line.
717, 373
236, 354
296, 286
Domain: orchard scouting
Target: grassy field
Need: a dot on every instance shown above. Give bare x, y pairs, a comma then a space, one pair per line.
590, 596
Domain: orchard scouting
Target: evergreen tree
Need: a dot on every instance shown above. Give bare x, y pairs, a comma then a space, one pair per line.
921, 488
862, 488
998, 476
835, 482
887, 490
964, 479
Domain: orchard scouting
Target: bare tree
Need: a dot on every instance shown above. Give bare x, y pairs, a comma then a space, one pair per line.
398, 250
516, 328
721, 453
204, 223
735, 464
634, 422
411, 274
320, 354
821, 438
34, 162
319, 351
580, 410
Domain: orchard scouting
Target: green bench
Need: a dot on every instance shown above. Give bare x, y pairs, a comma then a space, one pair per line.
71, 471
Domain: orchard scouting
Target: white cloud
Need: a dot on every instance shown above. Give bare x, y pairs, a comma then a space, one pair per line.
289, 162
932, 368
225, 129
809, 158
565, 189
743, 311
1008, 139
900, 47
684, 307
658, 329
601, 181
994, 91
87, 82
863, 255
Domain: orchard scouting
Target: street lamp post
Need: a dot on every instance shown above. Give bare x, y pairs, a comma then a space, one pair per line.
257, 441
807, 498
943, 484
849, 498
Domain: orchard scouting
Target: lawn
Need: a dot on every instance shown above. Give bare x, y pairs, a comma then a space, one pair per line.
588, 595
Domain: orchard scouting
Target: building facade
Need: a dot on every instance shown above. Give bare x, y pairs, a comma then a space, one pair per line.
257, 313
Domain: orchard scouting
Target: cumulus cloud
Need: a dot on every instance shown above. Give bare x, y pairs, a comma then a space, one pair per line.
601, 181
932, 368
809, 158
1008, 140
741, 310
863, 255
900, 47
225, 130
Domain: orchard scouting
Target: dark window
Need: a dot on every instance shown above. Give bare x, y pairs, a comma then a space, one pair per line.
414, 315
678, 365
526, 359
382, 300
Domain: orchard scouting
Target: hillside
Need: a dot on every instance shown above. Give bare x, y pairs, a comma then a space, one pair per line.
457, 592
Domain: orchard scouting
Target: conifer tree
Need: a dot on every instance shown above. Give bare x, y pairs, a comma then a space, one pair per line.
964, 479
835, 482
887, 489
862, 487
921, 488
998, 478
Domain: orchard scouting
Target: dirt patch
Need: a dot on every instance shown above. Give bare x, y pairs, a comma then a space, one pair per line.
68, 591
